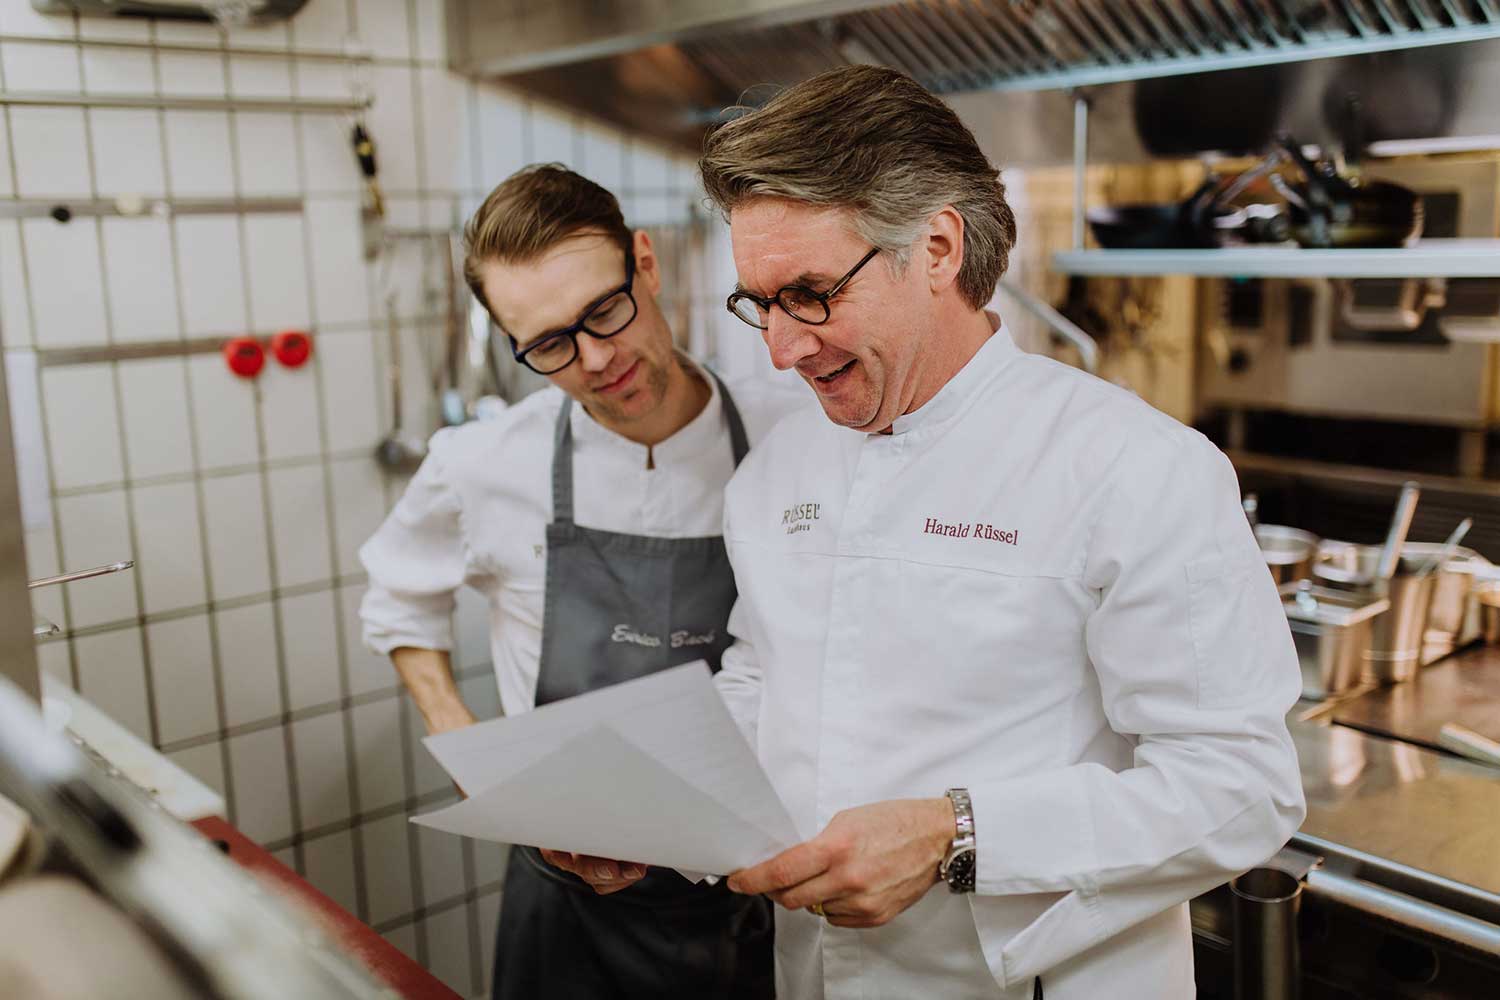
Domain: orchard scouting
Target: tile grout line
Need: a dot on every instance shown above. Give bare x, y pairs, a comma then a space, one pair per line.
65, 597
351, 757
288, 736
217, 472
132, 534
195, 446
424, 948
298, 715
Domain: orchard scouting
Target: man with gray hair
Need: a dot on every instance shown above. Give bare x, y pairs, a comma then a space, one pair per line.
1000, 624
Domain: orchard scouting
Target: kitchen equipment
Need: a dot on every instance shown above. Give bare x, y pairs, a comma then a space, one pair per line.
1488, 597
372, 206
1329, 210
1294, 350
82, 574
1331, 630
1267, 957
255, 11
398, 450
1406, 506
1396, 640
1289, 552
1466, 743
208, 922
1449, 546
1453, 607
1157, 226
1145, 227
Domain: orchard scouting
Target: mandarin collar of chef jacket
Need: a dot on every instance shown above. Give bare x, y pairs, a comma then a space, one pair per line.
702, 434
959, 391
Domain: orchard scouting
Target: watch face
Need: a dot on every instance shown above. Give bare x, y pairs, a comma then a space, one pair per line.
961, 872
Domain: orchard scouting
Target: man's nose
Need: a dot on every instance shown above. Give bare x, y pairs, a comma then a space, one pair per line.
788, 339
594, 354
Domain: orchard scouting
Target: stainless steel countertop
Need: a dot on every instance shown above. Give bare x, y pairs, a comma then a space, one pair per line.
1415, 807
1463, 688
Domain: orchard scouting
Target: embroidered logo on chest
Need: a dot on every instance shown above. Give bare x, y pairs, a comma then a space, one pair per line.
976, 530
800, 517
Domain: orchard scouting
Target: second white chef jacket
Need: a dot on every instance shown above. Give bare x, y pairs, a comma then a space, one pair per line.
1043, 590
476, 513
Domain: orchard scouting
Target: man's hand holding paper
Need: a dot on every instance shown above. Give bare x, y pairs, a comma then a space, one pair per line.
653, 770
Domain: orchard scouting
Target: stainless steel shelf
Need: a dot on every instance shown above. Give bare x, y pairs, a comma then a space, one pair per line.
1428, 259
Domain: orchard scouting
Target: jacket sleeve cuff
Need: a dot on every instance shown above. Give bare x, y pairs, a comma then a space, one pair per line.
1034, 834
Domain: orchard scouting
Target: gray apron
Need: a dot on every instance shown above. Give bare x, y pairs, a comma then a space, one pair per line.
618, 607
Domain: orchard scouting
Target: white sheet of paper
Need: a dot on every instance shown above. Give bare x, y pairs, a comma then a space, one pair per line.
652, 770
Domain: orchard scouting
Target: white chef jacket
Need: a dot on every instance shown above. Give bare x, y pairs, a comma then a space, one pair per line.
1043, 590
476, 513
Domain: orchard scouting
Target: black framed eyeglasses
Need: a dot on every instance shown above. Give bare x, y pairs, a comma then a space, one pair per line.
603, 318
797, 301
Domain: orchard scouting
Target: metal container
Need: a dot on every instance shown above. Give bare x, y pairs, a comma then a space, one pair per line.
1267, 956
1453, 615
1289, 552
1398, 640
1488, 596
1332, 630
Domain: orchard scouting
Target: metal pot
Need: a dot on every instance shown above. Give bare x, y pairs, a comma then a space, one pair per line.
1488, 596
1331, 630
1289, 552
1429, 614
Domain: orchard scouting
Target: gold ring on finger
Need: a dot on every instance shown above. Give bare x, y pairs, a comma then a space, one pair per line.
817, 910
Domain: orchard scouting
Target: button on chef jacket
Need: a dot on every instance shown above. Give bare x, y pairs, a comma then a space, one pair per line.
476, 513
1043, 590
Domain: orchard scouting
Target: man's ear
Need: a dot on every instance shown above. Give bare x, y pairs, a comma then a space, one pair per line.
646, 268
944, 248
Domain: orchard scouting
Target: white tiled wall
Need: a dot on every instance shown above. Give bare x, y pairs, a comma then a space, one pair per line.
234, 645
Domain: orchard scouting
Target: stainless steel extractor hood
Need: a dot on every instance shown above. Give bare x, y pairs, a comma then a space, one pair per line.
667, 67
254, 11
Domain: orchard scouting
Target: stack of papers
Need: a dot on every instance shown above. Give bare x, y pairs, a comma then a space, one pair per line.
653, 771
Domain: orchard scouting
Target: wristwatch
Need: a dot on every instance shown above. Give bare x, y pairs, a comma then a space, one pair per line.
957, 867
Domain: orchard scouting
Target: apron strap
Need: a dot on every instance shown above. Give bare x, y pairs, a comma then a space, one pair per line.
562, 465
738, 440
562, 449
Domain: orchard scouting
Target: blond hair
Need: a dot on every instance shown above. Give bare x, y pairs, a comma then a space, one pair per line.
874, 141
534, 209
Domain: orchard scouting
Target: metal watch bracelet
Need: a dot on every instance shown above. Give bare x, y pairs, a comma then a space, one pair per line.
958, 865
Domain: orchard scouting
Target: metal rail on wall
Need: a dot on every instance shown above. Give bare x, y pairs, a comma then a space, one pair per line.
166, 102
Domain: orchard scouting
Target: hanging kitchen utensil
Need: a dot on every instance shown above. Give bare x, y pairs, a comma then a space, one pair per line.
452, 403
1331, 211
397, 450
372, 209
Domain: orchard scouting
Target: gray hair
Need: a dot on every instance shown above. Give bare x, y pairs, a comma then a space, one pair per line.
874, 141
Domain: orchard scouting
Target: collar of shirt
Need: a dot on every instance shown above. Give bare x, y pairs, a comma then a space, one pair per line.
954, 397
703, 433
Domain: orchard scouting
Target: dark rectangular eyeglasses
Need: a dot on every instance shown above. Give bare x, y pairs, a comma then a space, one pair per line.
603, 318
